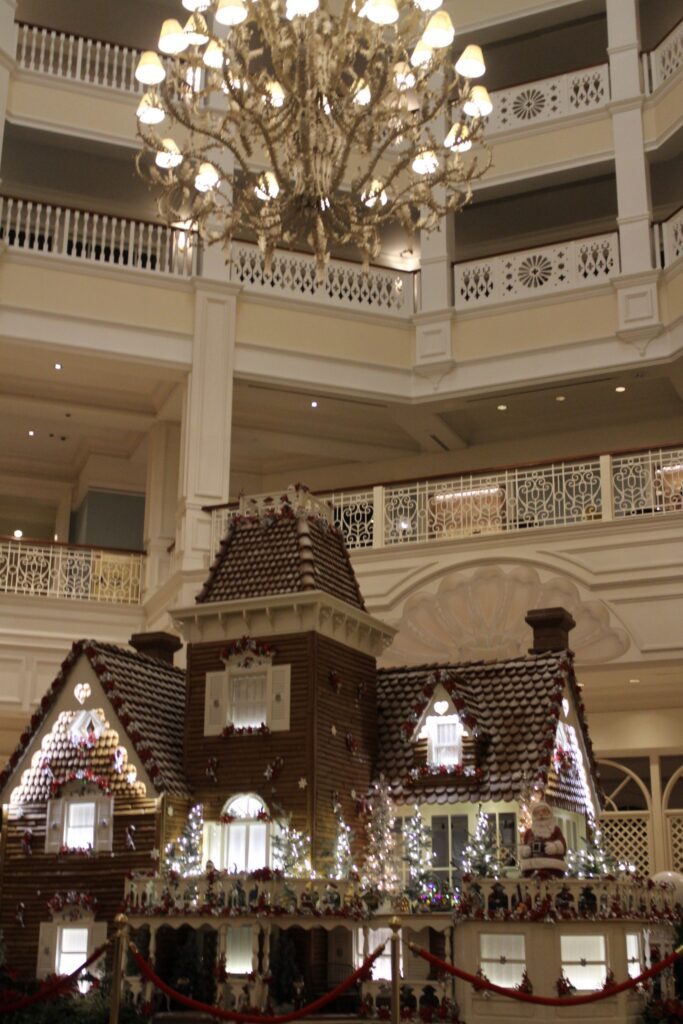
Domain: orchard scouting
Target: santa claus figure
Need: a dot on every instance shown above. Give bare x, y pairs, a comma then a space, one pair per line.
542, 849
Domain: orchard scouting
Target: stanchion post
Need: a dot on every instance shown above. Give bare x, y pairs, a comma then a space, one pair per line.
121, 922
395, 925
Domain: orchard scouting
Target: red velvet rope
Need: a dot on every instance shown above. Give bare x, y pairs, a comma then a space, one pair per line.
525, 997
54, 987
254, 1018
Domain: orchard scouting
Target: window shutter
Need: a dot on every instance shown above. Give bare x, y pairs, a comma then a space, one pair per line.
54, 826
97, 936
215, 702
47, 949
104, 823
279, 702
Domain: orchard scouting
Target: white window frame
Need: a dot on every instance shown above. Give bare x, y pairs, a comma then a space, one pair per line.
239, 955
217, 835
249, 677
634, 956
381, 968
70, 806
218, 698
57, 820
82, 954
50, 943
491, 966
570, 964
431, 726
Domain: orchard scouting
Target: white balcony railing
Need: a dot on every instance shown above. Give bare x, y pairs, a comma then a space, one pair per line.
531, 273
672, 238
81, 574
549, 99
667, 58
345, 284
83, 60
561, 494
96, 237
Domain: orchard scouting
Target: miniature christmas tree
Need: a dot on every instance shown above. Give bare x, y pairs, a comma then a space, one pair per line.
184, 855
381, 866
594, 861
343, 866
417, 847
292, 851
480, 856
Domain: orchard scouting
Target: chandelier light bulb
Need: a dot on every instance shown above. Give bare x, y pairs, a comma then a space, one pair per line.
428, 5
361, 93
381, 12
230, 12
458, 139
150, 110
150, 70
478, 103
301, 8
206, 178
213, 56
403, 77
170, 156
376, 193
425, 162
268, 187
196, 5
276, 94
196, 31
470, 63
172, 39
439, 31
421, 55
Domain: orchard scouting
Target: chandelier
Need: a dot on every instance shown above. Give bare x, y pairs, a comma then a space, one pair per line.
287, 122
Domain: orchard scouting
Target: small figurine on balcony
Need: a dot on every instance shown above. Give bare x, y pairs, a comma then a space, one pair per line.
543, 847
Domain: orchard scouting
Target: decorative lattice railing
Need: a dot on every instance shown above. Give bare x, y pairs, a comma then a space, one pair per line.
77, 573
626, 835
648, 483
530, 273
667, 58
672, 238
549, 99
675, 830
293, 276
95, 237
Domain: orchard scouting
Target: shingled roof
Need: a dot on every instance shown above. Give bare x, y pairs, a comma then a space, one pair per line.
148, 696
513, 707
281, 553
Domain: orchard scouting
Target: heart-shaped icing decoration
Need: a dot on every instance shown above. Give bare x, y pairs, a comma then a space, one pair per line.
441, 707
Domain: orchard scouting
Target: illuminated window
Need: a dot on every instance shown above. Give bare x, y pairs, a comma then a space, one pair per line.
584, 960
80, 820
72, 948
381, 968
249, 699
242, 844
503, 958
238, 949
634, 956
246, 698
79, 824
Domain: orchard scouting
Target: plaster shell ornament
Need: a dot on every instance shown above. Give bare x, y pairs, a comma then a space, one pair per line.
479, 615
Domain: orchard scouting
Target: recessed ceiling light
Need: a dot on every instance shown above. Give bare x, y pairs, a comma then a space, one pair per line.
501, 408
620, 389
58, 366
559, 398
18, 534
634, 680
314, 404
31, 433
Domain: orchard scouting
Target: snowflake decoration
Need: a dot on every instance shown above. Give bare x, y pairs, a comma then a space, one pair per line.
303, 782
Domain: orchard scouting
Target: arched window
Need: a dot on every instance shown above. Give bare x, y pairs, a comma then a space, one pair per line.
240, 841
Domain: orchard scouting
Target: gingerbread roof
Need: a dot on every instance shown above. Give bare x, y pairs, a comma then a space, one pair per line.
148, 696
512, 708
282, 552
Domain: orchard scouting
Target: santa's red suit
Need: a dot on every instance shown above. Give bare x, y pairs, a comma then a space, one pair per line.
543, 847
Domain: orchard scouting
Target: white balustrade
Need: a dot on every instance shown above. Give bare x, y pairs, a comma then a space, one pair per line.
672, 237
667, 58
531, 273
78, 573
96, 237
648, 483
354, 515
548, 99
48, 52
346, 285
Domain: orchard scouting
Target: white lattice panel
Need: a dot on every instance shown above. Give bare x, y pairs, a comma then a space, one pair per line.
548, 99
668, 57
627, 838
676, 841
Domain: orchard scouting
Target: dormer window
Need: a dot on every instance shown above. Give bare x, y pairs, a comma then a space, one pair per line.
444, 736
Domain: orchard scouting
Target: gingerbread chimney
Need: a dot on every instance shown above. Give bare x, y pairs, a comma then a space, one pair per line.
551, 628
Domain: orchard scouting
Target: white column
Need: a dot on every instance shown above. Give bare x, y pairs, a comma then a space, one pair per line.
8, 55
207, 418
659, 846
637, 284
161, 489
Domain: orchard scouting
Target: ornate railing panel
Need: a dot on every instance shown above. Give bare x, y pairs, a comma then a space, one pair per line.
82, 574
96, 237
580, 263
84, 60
672, 237
293, 276
667, 58
354, 516
549, 99
648, 483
